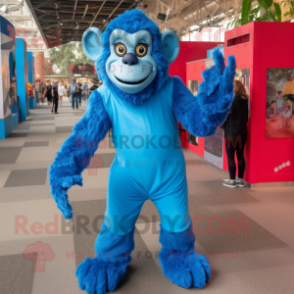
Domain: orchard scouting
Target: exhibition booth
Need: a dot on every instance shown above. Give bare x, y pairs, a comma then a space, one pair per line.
31, 80
265, 65
22, 78
8, 98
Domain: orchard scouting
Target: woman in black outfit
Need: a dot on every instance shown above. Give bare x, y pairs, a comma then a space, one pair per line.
55, 96
235, 128
48, 93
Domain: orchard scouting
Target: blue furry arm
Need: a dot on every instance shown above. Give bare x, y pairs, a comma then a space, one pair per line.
201, 115
75, 153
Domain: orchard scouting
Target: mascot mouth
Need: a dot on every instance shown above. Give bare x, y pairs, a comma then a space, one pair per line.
131, 83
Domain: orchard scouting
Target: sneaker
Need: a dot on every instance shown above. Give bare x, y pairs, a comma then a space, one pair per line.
52, 110
240, 183
226, 180
230, 184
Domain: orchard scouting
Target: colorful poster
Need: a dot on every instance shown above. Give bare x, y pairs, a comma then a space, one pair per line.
279, 103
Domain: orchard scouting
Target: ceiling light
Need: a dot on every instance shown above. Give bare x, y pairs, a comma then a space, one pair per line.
4, 9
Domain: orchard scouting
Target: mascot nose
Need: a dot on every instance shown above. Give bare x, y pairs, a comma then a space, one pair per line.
130, 59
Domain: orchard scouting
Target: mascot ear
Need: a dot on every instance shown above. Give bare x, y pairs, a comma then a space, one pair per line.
92, 43
171, 45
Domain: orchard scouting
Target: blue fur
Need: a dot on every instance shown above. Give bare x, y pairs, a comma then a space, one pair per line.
131, 22
107, 269
201, 115
74, 155
179, 262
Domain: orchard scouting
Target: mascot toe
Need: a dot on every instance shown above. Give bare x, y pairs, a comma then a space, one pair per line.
142, 104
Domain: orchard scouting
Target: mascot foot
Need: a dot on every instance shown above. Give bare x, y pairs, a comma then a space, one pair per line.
97, 275
185, 269
179, 262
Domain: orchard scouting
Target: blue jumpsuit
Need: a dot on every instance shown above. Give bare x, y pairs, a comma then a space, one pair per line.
149, 162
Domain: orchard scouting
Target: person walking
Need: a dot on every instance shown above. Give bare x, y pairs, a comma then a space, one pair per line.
48, 93
95, 82
235, 128
55, 97
79, 93
41, 91
61, 92
85, 93
73, 93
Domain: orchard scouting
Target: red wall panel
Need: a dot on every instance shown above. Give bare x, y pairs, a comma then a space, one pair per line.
194, 71
189, 51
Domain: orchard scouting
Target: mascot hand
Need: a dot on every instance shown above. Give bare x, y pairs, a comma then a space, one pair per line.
216, 91
59, 192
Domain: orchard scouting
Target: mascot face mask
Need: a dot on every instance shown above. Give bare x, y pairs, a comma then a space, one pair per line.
130, 65
132, 61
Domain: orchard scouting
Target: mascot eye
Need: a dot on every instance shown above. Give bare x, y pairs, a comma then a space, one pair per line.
141, 50
120, 49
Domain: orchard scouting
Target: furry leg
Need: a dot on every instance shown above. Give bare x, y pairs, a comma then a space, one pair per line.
108, 268
179, 262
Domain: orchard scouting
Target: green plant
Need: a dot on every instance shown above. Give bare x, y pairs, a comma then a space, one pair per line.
262, 12
290, 6
64, 55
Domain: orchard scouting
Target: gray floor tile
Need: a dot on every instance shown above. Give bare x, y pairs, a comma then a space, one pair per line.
36, 144
40, 118
91, 212
9, 155
22, 126
17, 135
214, 193
64, 129
78, 113
16, 275
26, 177
217, 232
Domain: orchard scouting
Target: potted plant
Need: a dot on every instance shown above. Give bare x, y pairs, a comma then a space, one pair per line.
288, 9
262, 12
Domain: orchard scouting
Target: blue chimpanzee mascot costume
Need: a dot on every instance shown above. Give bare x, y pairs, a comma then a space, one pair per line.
142, 104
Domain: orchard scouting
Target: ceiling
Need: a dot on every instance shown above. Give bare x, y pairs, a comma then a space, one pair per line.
63, 21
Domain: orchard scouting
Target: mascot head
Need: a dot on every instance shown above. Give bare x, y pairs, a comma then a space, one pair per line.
132, 56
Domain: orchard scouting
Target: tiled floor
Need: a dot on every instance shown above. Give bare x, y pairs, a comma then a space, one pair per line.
247, 234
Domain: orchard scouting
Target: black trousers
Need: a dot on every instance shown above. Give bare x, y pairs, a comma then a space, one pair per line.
55, 103
237, 146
